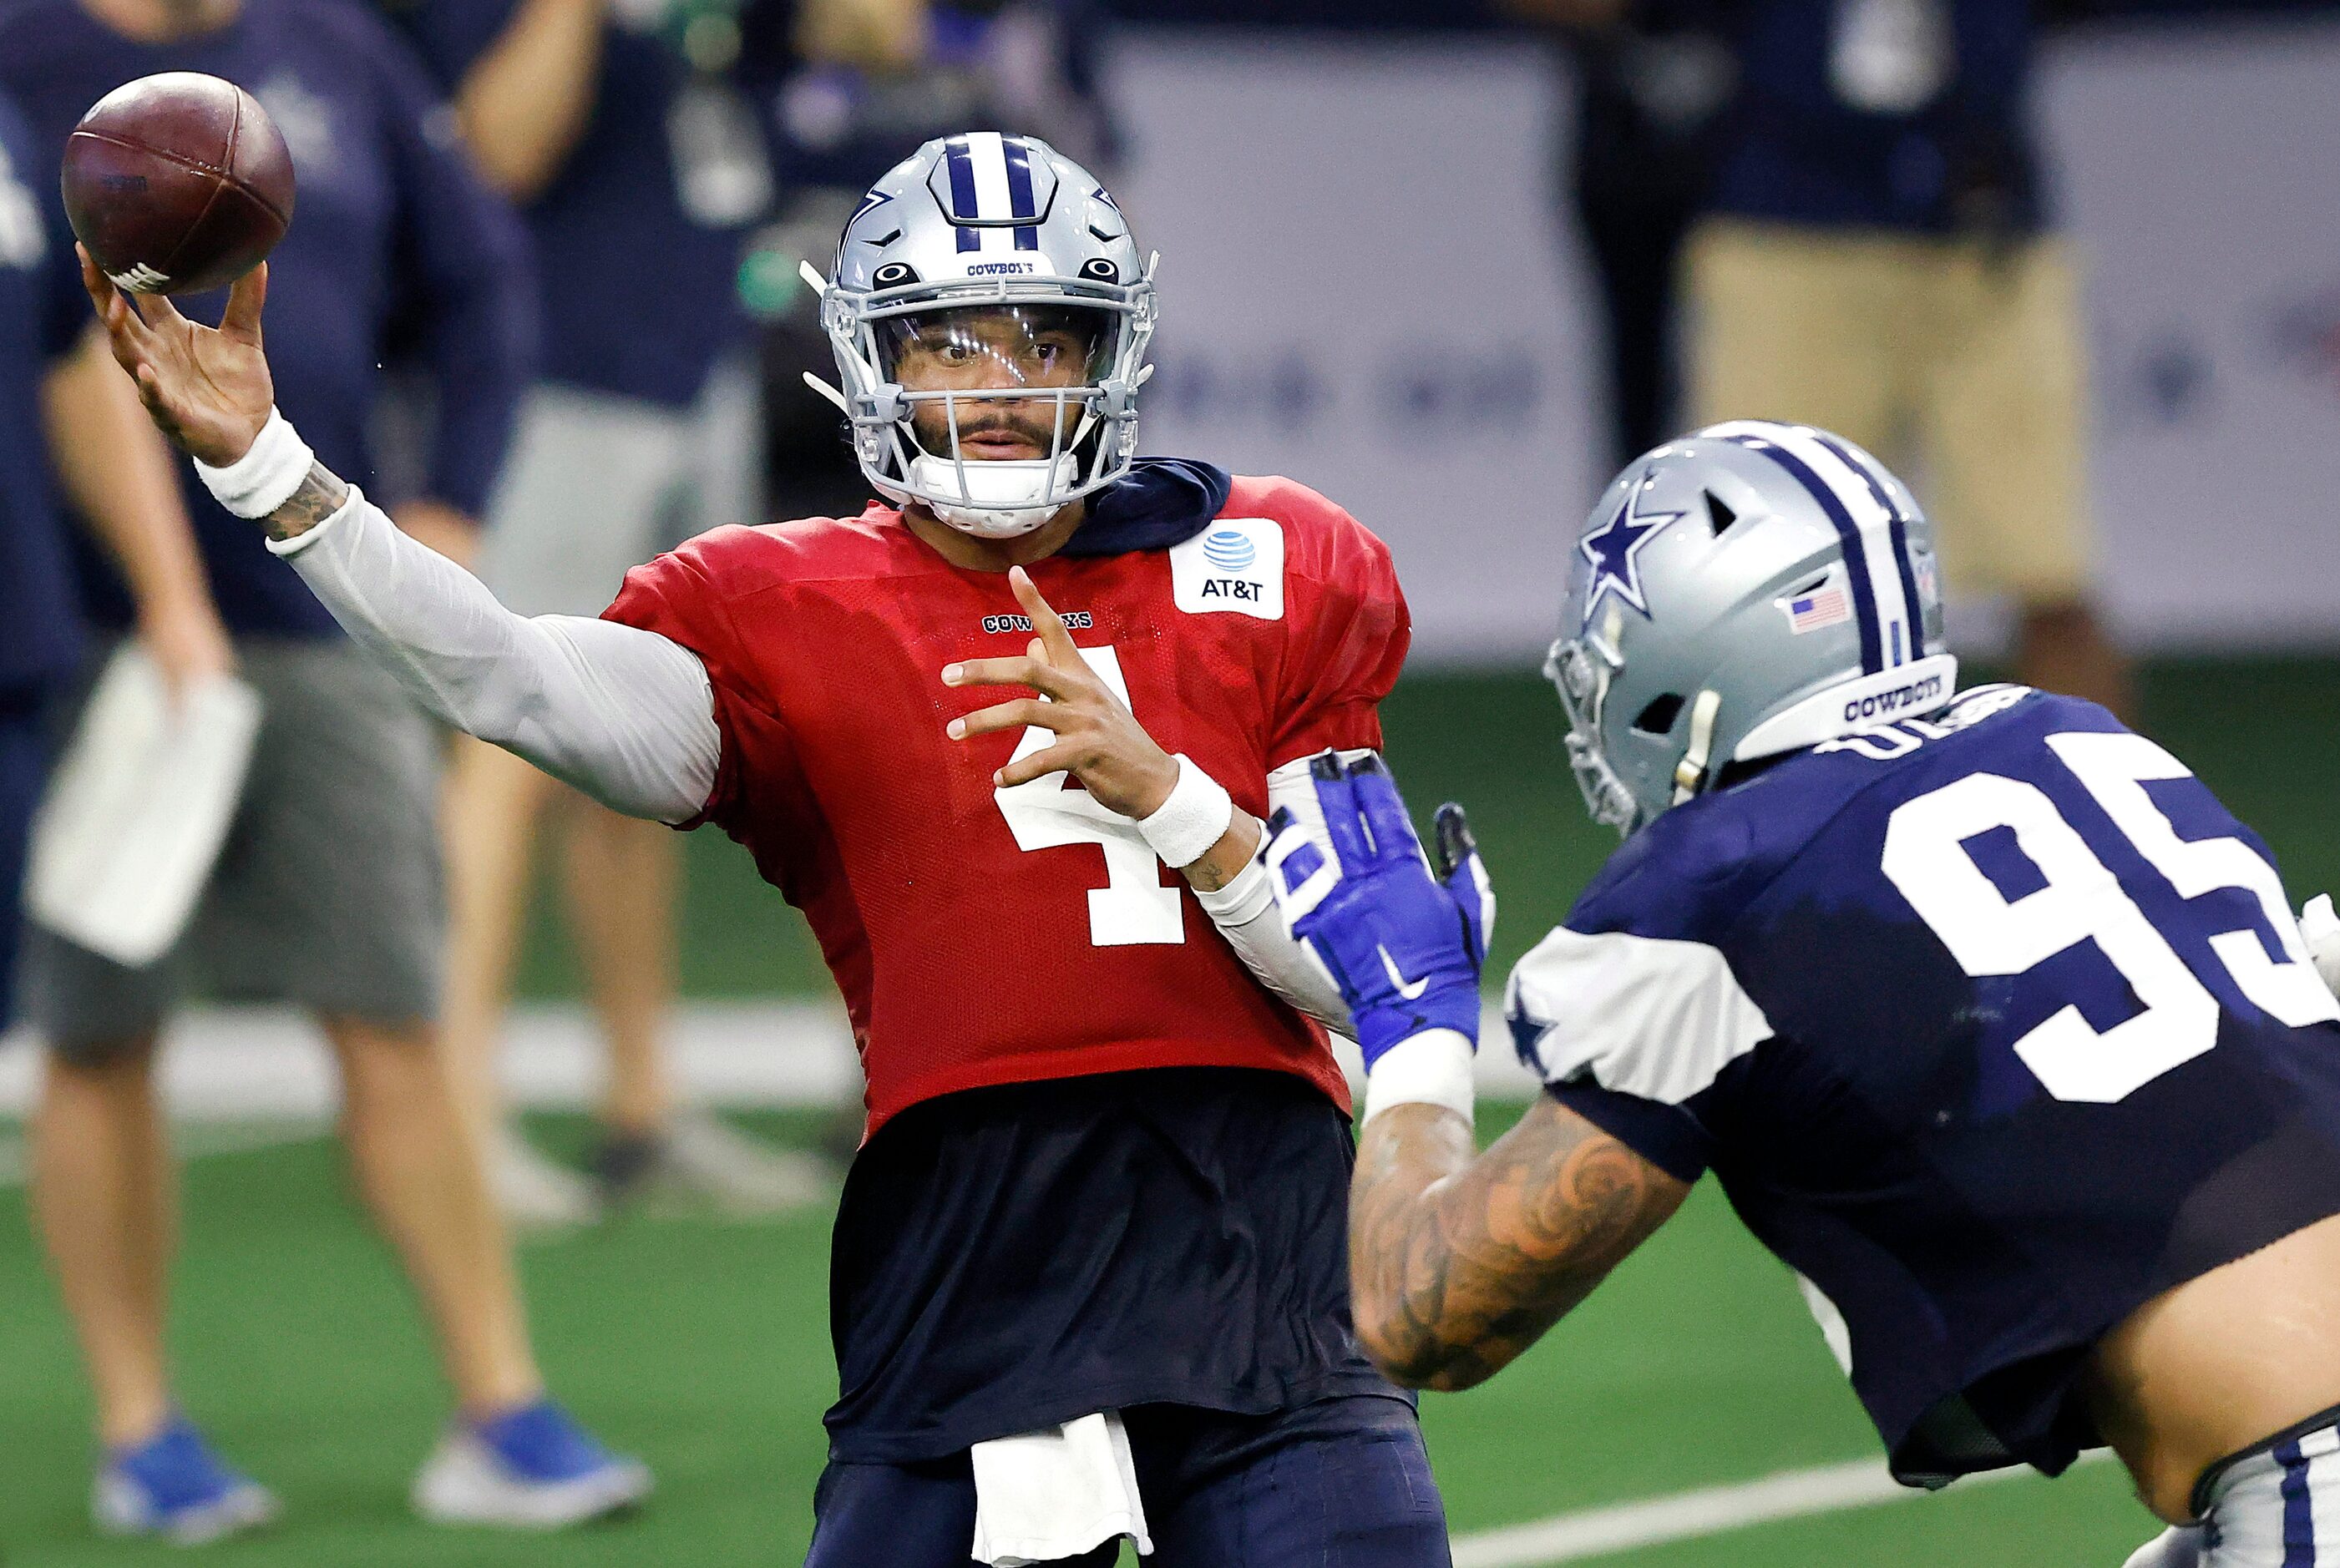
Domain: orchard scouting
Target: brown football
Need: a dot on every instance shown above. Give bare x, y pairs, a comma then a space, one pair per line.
177, 182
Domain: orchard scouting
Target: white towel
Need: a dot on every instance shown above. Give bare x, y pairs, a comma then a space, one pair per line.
1041, 1496
136, 811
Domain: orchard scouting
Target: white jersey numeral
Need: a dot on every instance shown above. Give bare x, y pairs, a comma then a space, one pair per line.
1134, 906
1990, 935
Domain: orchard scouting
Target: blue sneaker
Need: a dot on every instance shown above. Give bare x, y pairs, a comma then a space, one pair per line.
175, 1487
533, 1468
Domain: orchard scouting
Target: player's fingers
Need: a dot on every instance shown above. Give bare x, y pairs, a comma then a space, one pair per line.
1016, 715
1451, 830
241, 319
123, 324
159, 312
100, 288
1037, 673
1384, 810
1343, 825
1054, 637
1055, 759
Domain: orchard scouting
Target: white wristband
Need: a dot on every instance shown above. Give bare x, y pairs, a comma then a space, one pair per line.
264, 477
1182, 829
1433, 1067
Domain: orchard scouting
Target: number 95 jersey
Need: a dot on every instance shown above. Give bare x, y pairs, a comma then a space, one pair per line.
1994, 1026
985, 936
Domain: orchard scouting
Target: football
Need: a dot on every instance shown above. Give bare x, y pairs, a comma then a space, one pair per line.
177, 182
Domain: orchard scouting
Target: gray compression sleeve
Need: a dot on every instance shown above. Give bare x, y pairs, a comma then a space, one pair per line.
1248, 916
624, 714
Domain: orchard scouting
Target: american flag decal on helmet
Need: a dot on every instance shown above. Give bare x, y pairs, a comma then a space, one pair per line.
1823, 607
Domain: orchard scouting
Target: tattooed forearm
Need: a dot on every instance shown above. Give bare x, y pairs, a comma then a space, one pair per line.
1460, 1263
1225, 859
320, 495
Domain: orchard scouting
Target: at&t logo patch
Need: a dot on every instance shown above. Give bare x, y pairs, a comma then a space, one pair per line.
1236, 565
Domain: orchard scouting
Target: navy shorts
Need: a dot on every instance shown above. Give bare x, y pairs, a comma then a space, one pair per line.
1343, 1483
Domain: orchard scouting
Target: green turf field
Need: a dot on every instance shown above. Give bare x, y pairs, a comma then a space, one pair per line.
704, 1346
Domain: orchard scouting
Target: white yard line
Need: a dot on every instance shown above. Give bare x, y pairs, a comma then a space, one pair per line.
1707, 1511
243, 1063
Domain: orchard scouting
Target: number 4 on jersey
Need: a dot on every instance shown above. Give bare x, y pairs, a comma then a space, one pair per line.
1134, 907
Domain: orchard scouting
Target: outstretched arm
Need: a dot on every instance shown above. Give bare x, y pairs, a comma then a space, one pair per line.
1458, 1263
624, 714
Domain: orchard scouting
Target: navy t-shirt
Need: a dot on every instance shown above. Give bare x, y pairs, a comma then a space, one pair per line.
1993, 1025
639, 295
41, 313
1905, 115
389, 226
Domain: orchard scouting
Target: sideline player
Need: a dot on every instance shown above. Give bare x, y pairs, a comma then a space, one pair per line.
1991, 1021
327, 892
636, 174
55, 372
1088, 1274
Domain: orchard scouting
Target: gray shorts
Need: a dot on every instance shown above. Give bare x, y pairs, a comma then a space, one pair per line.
599, 484
327, 893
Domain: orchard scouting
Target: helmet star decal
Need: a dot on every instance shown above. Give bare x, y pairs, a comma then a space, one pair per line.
1614, 548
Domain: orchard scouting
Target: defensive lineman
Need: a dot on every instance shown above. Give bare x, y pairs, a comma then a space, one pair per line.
1089, 1275
1994, 1024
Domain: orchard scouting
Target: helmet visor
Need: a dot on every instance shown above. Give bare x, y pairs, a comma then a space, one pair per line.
995, 347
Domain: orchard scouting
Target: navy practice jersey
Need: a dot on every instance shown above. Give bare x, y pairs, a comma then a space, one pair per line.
1994, 1026
42, 314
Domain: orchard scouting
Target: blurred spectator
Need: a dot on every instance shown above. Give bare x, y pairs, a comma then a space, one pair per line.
1651, 91
869, 82
327, 893
628, 133
55, 369
1874, 262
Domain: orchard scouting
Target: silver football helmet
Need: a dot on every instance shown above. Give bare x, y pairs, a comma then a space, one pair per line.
1748, 589
997, 255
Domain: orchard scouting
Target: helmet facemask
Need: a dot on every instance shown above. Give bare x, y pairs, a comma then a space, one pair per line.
936, 374
1580, 669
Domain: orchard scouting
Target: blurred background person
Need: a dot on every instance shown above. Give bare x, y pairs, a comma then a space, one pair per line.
326, 893
55, 372
873, 80
630, 134
1875, 261
1653, 86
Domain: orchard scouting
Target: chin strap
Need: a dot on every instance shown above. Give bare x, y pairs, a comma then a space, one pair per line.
1689, 774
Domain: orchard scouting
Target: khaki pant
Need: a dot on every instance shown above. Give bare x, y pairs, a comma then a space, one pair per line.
1940, 355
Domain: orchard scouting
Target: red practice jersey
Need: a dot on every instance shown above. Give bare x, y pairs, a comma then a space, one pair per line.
984, 936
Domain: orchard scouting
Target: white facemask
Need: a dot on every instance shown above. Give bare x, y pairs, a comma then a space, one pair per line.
1002, 498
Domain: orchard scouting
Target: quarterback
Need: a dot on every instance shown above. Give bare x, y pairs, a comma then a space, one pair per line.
1006, 738
1993, 1023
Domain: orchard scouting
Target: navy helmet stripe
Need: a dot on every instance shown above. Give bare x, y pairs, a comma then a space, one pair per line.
962, 183
2298, 1507
1856, 554
1020, 191
1899, 527
1900, 530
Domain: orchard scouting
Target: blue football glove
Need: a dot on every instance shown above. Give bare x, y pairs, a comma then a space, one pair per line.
1404, 946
